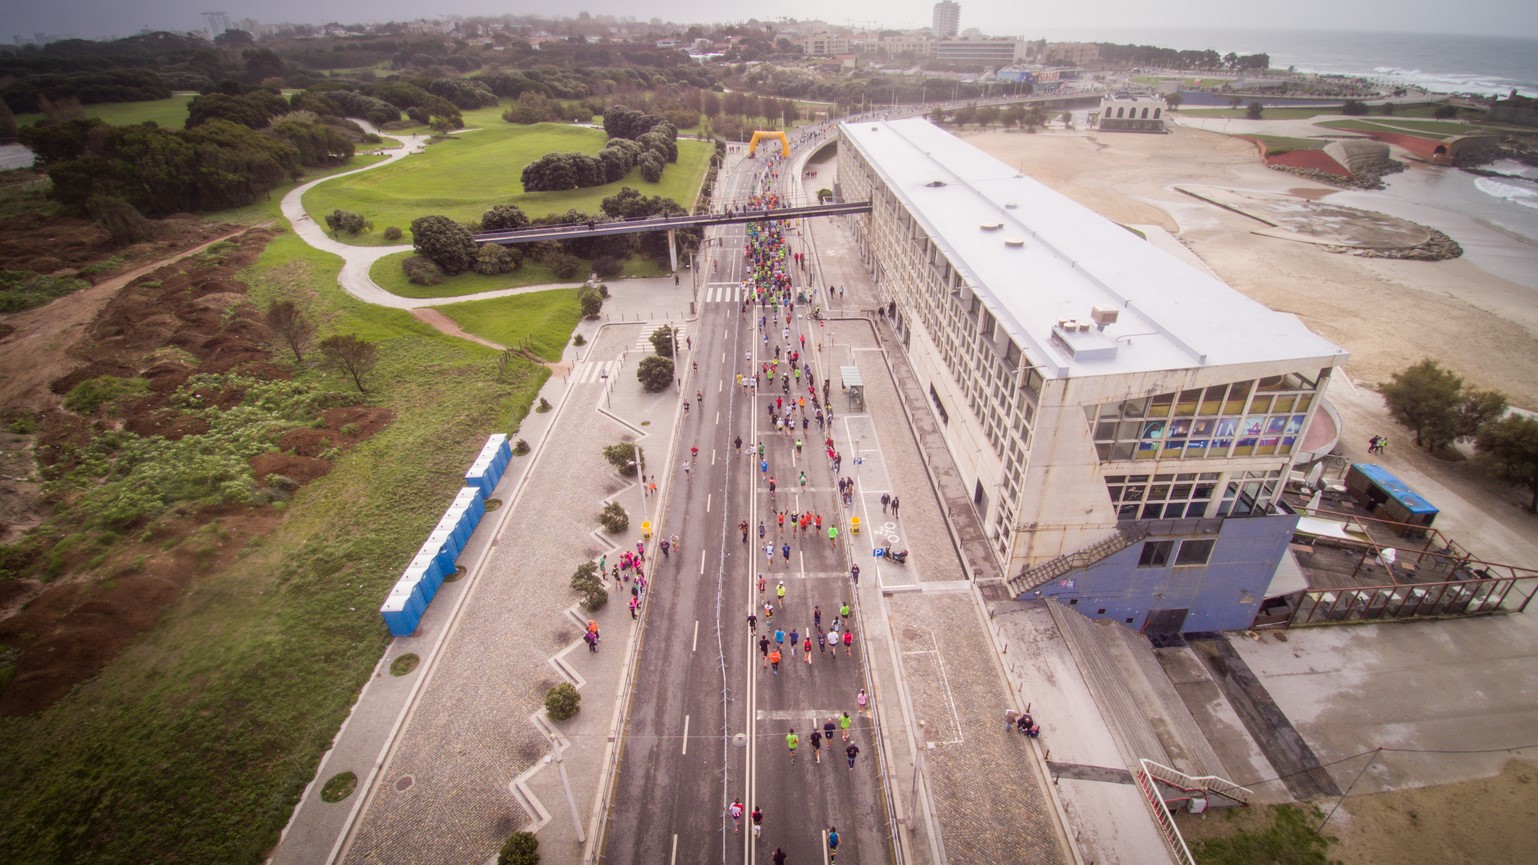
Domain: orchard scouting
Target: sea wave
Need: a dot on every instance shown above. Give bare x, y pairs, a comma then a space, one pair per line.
1510, 191
1436, 82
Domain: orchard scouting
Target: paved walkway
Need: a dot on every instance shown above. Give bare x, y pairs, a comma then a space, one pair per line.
985, 790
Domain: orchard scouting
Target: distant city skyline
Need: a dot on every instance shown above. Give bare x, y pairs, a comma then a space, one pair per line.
105, 18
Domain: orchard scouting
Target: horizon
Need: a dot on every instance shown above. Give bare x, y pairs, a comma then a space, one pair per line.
991, 17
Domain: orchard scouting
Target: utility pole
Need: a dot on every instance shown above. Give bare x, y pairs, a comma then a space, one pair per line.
555, 750
918, 769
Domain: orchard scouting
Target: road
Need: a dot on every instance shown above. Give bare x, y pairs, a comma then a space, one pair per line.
707, 722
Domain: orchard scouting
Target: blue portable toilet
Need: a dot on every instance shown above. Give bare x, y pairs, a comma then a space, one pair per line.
399, 619
410, 589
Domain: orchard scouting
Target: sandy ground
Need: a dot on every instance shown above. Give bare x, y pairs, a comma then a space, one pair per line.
1387, 314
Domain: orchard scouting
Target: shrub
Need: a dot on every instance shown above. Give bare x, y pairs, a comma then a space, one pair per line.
591, 300
588, 583
448, 244
565, 265
492, 260
123, 222
654, 373
614, 518
520, 448
421, 271
562, 702
579, 339
91, 394
346, 220
662, 341
543, 406
603, 291
392, 233
522, 848
622, 456
607, 266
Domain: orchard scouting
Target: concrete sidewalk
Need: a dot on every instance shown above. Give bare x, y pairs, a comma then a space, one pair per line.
985, 790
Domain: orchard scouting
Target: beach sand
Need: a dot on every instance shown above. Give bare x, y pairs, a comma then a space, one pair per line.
1387, 314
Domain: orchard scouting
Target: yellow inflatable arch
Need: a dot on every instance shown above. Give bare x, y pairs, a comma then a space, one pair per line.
769, 136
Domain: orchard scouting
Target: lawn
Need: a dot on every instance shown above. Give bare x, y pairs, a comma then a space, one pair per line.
1296, 113
196, 742
541, 321
1277, 144
387, 274
168, 113
1423, 128
466, 174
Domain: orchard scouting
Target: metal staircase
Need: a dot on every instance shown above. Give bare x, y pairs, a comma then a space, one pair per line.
1162, 787
1034, 577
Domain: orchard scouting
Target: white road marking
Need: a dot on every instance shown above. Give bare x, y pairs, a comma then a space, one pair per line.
674, 857
702, 563
708, 497
696, 646
686, 735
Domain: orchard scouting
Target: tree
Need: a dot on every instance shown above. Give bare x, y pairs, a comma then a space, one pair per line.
562, 702
494, 259
444, 242
1445, 112
122, 220
1254, 111
289, 322
355, 357
655, 373
7, 124
1354, 108
662, 341
504, 217
1508, 449
591, 300
1433, 403
1173, 100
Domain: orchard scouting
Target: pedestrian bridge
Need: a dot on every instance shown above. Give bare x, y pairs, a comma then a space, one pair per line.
665, 223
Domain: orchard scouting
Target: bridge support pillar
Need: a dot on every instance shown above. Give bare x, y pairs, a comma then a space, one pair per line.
673, 249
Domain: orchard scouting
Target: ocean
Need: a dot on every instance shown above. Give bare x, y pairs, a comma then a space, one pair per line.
1443, 62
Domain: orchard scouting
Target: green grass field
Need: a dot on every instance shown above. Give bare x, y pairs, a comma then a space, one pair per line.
387, 274
168, 113
1276, 144
195, 743
1423, 128
464, 175
541, 321
1270, 113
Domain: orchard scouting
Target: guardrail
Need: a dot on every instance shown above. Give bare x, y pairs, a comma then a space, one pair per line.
1454, 599
1162, 816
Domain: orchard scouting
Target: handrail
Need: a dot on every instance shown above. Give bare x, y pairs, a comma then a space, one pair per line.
1190, 783
1126, 535
1163, 817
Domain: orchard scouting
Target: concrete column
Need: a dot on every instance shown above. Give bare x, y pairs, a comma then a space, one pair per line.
673, 248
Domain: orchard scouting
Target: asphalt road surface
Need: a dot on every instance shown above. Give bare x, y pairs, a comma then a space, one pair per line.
707, 722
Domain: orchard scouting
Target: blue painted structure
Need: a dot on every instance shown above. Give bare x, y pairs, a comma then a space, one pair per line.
408, 600
1222, 595
1379, 489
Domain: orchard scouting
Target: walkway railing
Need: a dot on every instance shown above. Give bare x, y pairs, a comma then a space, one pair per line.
1454, 599
1194, 783
1126, 535
1161, 814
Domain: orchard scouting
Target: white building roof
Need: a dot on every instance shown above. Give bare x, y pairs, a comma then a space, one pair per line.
1052, 259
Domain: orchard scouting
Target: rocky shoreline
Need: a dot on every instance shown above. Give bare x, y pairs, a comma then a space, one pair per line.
1439, 247
1359, 180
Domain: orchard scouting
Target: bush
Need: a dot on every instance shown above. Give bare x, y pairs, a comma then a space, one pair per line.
543, 406
346, 221
607, 266
123, 222
392, 233
603, 291
622, 456
591, 300
562, 702
521, 848
521, 448
91, 394
655, 373
589, 583
662, 341
614, 518
448, 244
1445, 112
421, 271
564, 265
1354, 107
492, 260
579, 339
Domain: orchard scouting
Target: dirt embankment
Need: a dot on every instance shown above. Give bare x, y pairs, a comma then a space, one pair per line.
76, 595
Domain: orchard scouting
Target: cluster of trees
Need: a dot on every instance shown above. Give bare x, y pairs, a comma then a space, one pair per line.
635, 139
987, 115
212, 166
1440, 408
345, 353
1170, 58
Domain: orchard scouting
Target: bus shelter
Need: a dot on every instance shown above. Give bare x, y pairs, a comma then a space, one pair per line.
854, 387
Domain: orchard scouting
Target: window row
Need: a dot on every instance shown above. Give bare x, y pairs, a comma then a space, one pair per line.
1187, 553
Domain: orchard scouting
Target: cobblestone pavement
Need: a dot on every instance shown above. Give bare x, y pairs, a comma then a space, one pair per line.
470, 732
989, 796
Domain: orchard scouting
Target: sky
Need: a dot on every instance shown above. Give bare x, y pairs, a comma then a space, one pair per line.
99, 18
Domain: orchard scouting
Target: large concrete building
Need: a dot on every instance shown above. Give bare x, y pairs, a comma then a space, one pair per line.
1124, 420
1132, 112
946, 22
980, 52
824, 45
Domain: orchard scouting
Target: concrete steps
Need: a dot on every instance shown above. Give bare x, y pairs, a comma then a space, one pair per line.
1146, 716
1134, 737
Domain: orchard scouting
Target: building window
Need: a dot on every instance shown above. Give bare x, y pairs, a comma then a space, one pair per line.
939, 406
1145, 113
1194, 553
1156, 554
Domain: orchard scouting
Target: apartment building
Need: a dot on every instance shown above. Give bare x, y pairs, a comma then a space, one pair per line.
946, 21
1124, 420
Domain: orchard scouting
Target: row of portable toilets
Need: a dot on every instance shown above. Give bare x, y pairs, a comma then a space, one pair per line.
434, 562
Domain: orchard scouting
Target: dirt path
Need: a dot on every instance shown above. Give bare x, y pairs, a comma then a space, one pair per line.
444, 324
37, 353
